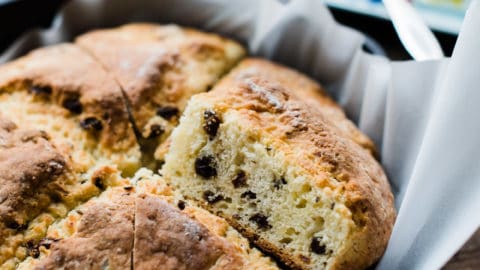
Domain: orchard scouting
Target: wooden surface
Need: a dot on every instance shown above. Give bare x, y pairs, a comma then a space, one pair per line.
468, 258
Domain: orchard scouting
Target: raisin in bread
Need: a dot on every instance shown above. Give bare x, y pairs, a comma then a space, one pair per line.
38, 185
140, 225
160, 68
285, 167
65, 92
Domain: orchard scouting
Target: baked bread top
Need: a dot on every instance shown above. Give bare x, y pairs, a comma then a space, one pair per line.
69, 82
185, 235
160, 68
102, 238
308, 92
28, 182
39, 183
165, 236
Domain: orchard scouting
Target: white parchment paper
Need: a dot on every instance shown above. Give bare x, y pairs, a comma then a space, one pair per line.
423, 116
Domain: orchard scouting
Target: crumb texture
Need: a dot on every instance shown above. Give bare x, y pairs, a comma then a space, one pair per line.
283, 165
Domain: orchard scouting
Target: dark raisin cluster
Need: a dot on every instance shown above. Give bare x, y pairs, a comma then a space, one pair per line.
317, 246
167, 112
14, 225
261, 220
278, 183
206, 166
240, 180
33, 247
91, 123
73, 104
211, 197
211, 123
249, 195
156, 131
40, 90
98, 182
181, 205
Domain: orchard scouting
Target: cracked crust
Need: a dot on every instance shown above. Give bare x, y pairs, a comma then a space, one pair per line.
165, 236
96, 235
160, 67
38, 185
28, 183
306, 90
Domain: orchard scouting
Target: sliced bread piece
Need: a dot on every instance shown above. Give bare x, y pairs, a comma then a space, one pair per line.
285, 167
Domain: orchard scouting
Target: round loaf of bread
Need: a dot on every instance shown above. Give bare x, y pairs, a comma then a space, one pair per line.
265, 165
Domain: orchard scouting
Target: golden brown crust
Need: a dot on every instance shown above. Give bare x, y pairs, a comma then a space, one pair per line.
273, 98
31, 171
310, 92
165, 236
104, 238
161, 67
67, 76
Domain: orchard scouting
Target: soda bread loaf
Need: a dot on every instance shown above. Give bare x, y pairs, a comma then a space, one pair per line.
160, 68
265, 156
284, 167
138, 226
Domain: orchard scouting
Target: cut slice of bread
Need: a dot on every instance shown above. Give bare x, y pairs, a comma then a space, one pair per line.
159, 68
62, 90
285, 167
